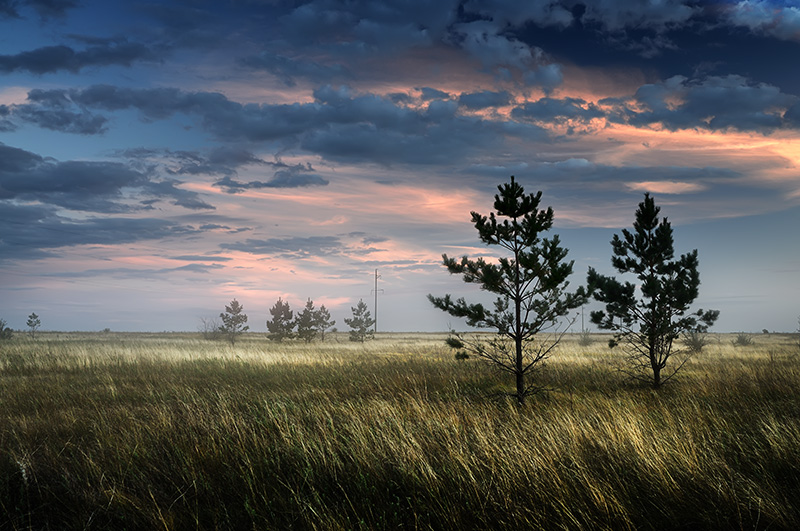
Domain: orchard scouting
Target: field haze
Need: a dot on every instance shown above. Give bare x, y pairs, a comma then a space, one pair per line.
169, 431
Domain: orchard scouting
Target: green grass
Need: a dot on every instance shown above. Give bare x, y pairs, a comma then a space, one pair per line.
167, 431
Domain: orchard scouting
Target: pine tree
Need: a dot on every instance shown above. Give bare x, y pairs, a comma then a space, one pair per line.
361, 323
322, 321
306, 329
34, 323
649, 324
530, 283
233, 321
282, 323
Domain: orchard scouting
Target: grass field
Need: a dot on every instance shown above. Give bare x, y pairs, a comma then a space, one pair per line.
168, 431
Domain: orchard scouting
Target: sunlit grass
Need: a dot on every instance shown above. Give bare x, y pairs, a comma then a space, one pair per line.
169, 431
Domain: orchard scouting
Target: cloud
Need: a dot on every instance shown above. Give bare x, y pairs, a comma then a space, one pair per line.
44, 8
338, 125
549, 110
666, 187
49, 59
767, 18
617, 15
515, 13
222, 160
295, 247
715, 103
85, 186
33, 231
428, 93
484, 99
288, 70
131, 273
368, 27
289, 178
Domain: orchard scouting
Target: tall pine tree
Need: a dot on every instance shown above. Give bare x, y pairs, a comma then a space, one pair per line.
648, 322
530, 282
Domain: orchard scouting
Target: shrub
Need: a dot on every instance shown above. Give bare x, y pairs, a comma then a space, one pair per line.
695, 341
742, 340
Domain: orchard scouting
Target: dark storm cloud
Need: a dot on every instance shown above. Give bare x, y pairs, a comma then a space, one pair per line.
86, 186
44, 8
557, 110
715, 103
364, 25
50, 59
485, 99
338, 124
617, 15
34, 231
429, 93
52, 109
223, 160
65, 121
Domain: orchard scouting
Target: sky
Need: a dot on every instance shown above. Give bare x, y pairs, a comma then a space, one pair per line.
159, 159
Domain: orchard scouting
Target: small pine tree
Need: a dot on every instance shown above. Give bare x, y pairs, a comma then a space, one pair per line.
361, 323
323, 321
233, 321
306, 329
282, 323
34, 323
648, 324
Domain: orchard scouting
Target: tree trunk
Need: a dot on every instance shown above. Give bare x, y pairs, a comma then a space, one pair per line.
518, 372
656, 376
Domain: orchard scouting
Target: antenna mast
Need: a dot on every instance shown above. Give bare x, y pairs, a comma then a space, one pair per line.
376, 290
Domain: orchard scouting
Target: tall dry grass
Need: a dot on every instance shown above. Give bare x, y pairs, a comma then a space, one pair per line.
173, 432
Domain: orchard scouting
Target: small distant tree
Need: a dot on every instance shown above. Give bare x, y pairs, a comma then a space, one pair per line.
361, 323
282, 323
33, 324
5, 331
210, 328
530, 284
323, 321
648, 324
233, 321
306, 329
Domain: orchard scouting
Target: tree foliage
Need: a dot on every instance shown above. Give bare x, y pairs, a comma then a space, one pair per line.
34, 322
233, 321
323, 321
530, 281
282, 324
306, 329
650, 315
361, 323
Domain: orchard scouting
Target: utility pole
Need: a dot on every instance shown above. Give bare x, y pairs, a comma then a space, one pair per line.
376, 290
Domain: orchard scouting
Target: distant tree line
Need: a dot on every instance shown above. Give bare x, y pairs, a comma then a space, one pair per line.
308, 325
